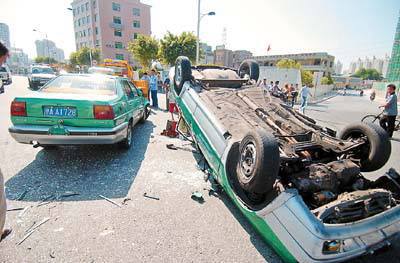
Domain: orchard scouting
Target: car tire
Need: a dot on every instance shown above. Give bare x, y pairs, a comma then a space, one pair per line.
146, 114
258, 162
126, 143
49, 147
183, 73
376, 152
249, 67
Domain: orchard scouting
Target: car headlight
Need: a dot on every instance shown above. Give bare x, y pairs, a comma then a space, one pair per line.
331, 247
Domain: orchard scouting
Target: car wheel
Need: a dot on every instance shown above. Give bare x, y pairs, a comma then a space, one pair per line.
146, 114
127, 142
377, 148
258, 162
183, 72
249, 67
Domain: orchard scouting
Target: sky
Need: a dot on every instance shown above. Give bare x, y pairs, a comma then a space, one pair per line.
346, 29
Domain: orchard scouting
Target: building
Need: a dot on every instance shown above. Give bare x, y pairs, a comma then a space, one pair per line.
379, 64
223, 56
385, 66
5, 35
47, 48
207, 55
18, 61
314, 62
110, 25
239, 55
393, 73
338, 68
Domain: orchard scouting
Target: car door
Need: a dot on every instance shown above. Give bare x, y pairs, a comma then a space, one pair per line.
139, 100
132, 101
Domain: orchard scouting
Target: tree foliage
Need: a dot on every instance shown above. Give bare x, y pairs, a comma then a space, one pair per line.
288, 63
327, 80
144, 49
307, 77
45, 60
173, 46
370, 74
82, 56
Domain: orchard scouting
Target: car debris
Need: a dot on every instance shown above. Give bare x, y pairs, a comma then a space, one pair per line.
197, 196
15, 209
46, 201
150, 197
33, 229
68, 194
6, 233
111, 201
125, 201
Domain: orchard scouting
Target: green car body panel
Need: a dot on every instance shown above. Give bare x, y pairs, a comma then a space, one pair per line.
219, 171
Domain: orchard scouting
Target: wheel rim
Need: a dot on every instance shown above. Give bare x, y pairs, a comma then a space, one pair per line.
248, 159
365, 149
129, 135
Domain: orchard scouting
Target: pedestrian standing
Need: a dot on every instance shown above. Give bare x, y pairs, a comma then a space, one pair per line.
295, 93
145, 77
159, 83
166, 86
172, 108
304, 93
263, 85
153, 88
4, 54
390, 112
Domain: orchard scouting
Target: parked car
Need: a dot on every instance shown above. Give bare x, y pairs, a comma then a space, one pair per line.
39, 75
79, 109
299, 184
5, 75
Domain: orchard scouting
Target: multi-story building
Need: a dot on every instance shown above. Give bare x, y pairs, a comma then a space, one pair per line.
47, 48
5, 35
338, 68
393, 73
18, 61
110, 25
239, 55
385, 66
223, 56
207, 55
314, 62
379, 64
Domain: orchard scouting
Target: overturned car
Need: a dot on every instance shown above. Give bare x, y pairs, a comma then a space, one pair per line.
299, 184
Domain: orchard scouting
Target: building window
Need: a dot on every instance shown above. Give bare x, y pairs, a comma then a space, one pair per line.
84, 32
77, 11
116, 7
94, 3
136, 24
117, 20
97, 42
95, 18
82, 8
119, 56
89, 32
79, 22
73, 12
136, 11
135, 35
118, 45
87, 6
88, 19
83, 20
96, 30
117, 33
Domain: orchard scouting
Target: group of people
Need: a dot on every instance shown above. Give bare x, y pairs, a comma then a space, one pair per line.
156, 85
289, 93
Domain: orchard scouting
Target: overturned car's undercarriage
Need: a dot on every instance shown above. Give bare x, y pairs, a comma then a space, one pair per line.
323, 167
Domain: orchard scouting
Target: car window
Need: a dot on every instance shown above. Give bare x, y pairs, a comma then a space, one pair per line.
73, 84
3, 69
133, 88
42, 71
127, 89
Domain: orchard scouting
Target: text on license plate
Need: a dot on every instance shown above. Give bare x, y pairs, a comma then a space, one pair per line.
66, 112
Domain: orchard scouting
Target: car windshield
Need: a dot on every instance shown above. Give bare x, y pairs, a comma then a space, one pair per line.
42, 71
3, 69
85, 84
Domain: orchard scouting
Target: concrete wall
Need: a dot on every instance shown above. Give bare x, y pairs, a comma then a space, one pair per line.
289, 76
321, 91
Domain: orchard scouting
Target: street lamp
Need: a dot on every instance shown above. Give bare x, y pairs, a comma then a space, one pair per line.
199, 17
47, 41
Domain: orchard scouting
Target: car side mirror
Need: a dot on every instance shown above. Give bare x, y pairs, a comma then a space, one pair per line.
140, 92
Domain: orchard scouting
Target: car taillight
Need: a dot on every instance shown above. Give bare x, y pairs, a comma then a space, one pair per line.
103, 112
18, 108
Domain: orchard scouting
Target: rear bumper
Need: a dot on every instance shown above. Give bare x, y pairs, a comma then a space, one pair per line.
30, 134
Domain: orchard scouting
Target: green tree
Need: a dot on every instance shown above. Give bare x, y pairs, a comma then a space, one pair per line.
144, 49
370, 74
82, 56
46, 60
307, 77
173, 46
288, 63
327, 80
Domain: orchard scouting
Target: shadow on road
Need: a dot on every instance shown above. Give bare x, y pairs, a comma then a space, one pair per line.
88, 171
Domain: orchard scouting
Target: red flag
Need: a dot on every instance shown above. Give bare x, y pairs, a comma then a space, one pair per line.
269, 48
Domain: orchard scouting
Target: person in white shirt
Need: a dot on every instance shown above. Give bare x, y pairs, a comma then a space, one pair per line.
263, 85
304, 93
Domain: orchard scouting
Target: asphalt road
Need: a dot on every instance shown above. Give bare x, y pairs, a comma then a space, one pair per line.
87, 228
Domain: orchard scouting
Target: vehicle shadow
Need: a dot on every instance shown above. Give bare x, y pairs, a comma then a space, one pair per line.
78, 173
265, 251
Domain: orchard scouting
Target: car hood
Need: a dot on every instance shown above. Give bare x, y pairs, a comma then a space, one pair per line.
44, 76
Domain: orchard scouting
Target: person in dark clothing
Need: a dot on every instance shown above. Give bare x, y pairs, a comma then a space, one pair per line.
390, 112
4, 54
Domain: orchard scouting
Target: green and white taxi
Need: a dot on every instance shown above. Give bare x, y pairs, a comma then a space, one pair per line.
77, 109
299, 184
